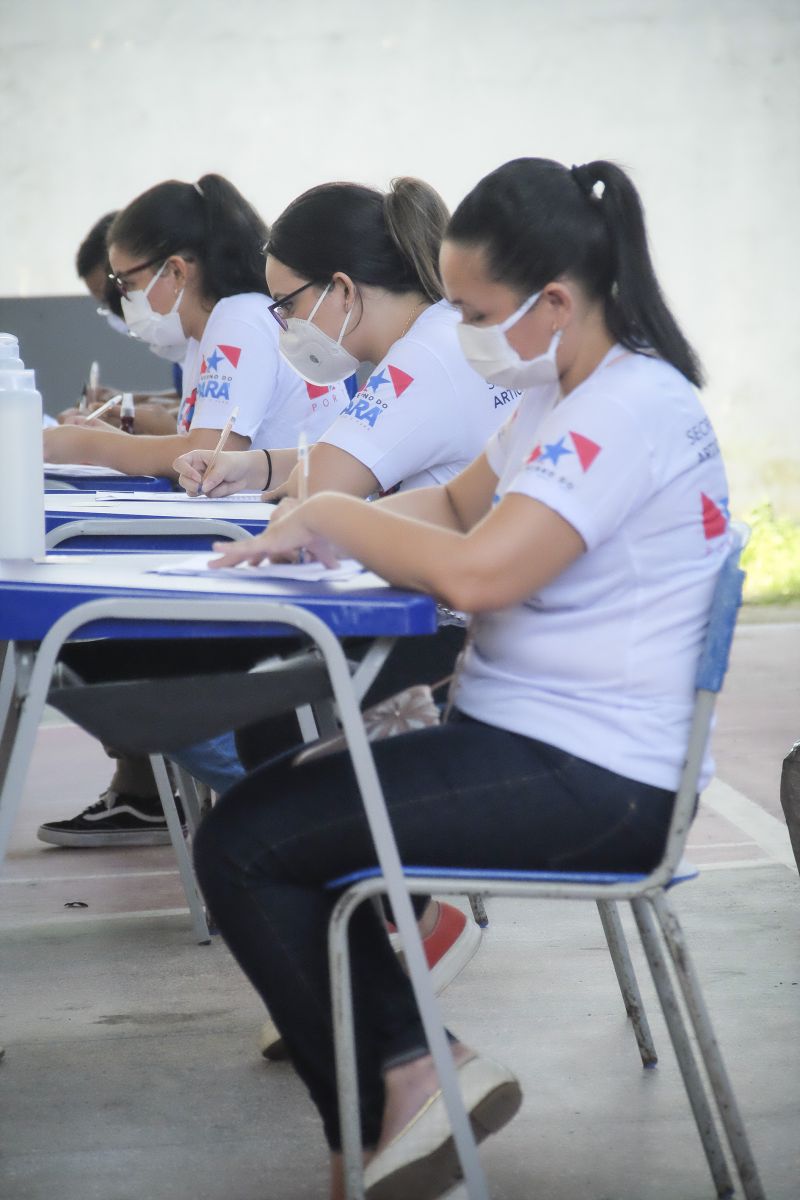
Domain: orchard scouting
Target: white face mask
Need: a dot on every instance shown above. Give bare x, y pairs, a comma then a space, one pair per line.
175, 353
315, 356
116, 323
161, 331
488, 351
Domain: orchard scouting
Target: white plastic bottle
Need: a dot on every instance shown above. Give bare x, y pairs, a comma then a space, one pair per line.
21, 476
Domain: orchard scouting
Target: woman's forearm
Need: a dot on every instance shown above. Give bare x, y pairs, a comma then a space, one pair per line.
133, 455
403, 548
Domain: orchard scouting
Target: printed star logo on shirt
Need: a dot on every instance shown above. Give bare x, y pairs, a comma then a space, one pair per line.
213, 361
232, 353
376, 381
715, 521
583, 448
187, 411
553, 451
398, 378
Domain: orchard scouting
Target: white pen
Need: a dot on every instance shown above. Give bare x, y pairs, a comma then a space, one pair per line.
105, 407
89, 386
223, 437
302, 482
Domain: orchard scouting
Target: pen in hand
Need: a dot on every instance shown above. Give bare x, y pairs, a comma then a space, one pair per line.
223, 437
105, 407
91, 386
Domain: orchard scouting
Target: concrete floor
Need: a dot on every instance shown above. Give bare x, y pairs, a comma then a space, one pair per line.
131, 1069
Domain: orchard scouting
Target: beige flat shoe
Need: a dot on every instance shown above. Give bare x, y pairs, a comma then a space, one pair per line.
421, 1161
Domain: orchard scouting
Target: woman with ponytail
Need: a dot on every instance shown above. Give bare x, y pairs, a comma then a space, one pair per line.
355, 277
187, 260
585, 540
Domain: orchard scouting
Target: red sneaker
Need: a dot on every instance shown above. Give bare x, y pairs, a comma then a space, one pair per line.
449, 946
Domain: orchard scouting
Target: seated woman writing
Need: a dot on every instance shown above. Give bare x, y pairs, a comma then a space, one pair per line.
586, 541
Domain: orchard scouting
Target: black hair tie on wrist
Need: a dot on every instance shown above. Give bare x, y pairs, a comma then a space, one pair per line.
269, 468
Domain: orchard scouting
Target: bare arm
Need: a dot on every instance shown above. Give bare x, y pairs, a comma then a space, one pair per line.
515, 550
132, 454
459, 504
329, 469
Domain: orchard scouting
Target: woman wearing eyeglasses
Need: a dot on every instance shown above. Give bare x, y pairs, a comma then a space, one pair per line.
355, 278
188, 262
586, 541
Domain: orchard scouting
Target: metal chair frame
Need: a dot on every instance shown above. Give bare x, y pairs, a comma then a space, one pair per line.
660, 932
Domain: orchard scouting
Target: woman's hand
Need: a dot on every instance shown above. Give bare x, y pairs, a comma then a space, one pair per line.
290, 530
109, 420
234, 471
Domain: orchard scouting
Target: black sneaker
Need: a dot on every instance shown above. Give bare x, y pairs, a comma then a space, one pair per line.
115, 820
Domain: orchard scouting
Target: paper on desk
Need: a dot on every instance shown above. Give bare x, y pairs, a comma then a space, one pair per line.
197, 502
158, 504
309, 572
79, 470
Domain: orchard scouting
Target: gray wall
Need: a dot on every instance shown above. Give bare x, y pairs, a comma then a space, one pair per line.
60, 336
699, 99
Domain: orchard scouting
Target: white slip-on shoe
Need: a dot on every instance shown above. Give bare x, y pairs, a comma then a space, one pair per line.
421, 1161
270, 1042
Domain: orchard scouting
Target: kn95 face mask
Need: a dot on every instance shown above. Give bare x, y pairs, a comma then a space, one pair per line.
314, 355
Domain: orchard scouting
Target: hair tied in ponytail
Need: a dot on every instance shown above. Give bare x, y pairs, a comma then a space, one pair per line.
198, 189
592, 188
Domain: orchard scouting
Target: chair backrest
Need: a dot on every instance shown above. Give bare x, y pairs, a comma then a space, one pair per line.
711, 668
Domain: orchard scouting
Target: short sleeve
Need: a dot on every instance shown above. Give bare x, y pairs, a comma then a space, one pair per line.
592, 465
238, 369
402, 421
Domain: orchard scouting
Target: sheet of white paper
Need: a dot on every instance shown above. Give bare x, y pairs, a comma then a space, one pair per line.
139, 571
198, 565
198, 502
158, 504
79, 470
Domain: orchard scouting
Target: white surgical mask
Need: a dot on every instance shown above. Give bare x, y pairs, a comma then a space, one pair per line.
488, 351
116, 323
314, 355
161, 331
175, 353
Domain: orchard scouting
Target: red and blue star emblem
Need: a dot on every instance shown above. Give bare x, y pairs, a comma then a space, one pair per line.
582, 447
399, 379
230, 353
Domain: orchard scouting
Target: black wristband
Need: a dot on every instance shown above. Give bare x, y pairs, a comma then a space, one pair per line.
269, 468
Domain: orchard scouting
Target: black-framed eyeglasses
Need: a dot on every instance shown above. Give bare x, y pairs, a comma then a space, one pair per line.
120, 282
277, 309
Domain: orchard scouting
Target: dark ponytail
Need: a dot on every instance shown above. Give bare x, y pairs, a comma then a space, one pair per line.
389, 241
210, 221
539, 220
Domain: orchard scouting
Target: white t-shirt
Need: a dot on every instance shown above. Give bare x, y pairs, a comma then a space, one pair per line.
601, 661
423, 414
236, 363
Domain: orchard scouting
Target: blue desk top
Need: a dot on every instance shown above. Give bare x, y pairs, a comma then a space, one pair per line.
111, 483
34, 595
63, 508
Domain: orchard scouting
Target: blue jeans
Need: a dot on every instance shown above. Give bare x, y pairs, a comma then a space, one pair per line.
214, 762
463, 794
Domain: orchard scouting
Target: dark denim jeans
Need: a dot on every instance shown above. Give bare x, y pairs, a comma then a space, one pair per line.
464, 794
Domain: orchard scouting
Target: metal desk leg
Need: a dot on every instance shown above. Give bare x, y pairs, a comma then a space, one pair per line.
185, 867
